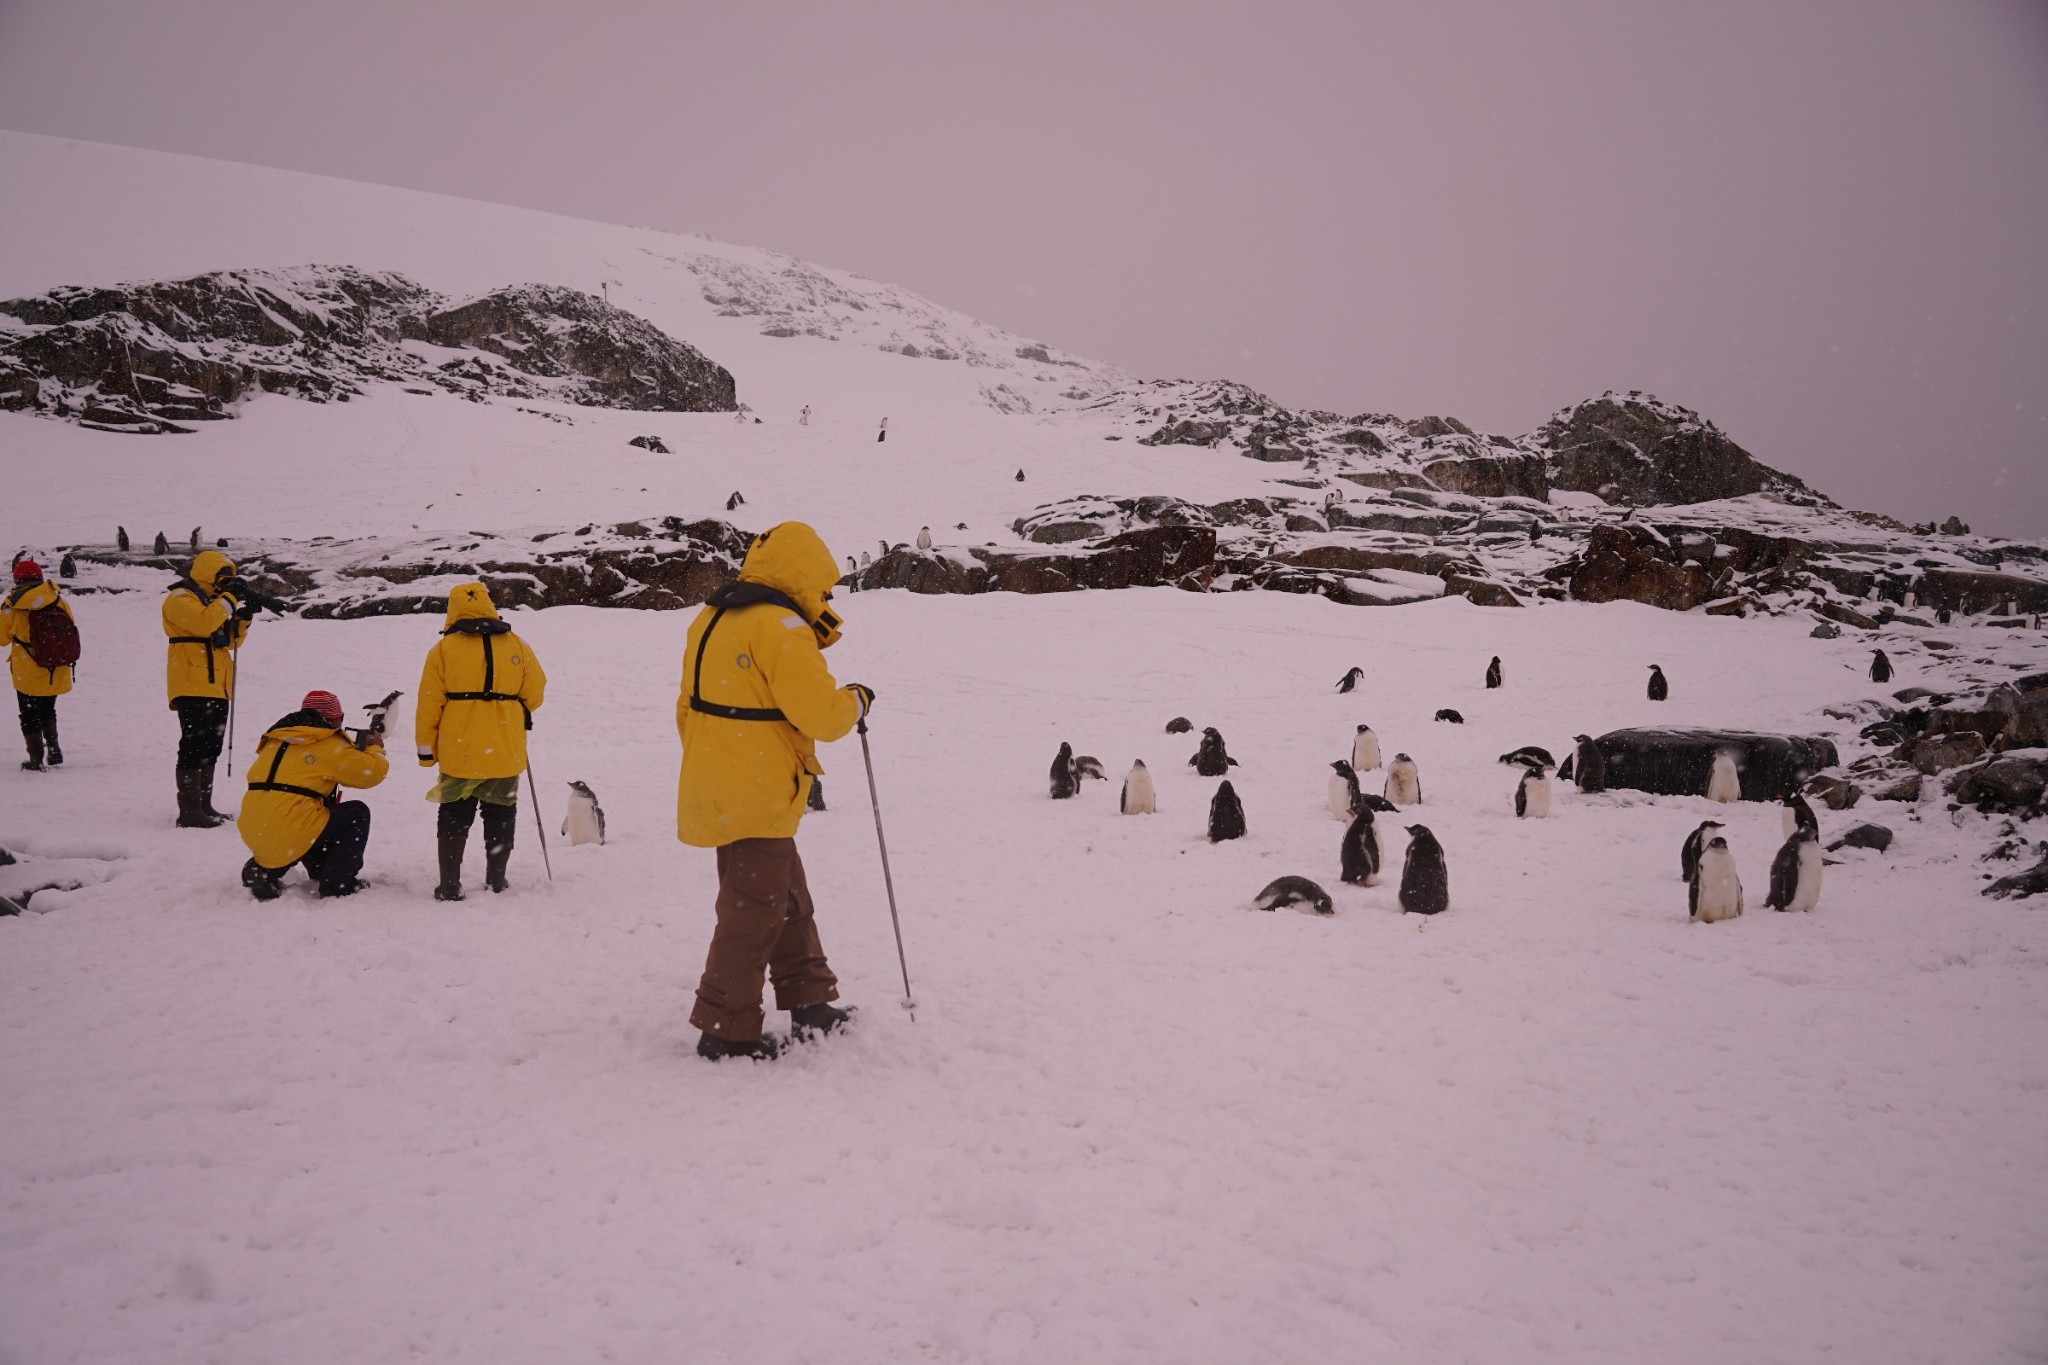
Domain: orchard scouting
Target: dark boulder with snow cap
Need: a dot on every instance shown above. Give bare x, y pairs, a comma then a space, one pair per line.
1673, 762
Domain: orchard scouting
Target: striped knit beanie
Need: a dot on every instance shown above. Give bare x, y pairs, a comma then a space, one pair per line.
325, 705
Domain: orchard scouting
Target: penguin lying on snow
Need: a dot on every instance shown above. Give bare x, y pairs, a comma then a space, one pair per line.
1659, 688
1404, 783
1087, 765
1689, 851
1795, 814
1425, 881
1212, 759
1365, 750
1226, 814
1350, 680
1359, 854
1294, 891
1532, 795
1179, 725
1447, 714
1345, 798
1494, 676
1795, 873
584, 824
1592, 770
1724, 783
1531, 756
1066, 779
1137, 797
1714, 892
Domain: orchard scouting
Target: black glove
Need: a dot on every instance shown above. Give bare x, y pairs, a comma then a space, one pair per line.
245, 610
866, 695
228, 585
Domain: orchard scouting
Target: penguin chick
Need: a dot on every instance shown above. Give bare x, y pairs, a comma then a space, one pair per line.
1138, 797
1365, 750
1447, 714
1404, 783
1795, 873
1212, 759
1532, 795
584, 823
1226, 814
1425, 881
1724, 783
1065, 780
1179, 725
1359, 854
1689, 851
1714, 891
924, 537
1087, 765
1294, 891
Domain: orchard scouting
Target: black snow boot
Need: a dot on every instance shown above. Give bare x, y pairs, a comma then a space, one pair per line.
346, 888
815, 1021
499, 824
32, 735
195, 810
263, 883
450, 888
713, 1048
52, 755
220, 817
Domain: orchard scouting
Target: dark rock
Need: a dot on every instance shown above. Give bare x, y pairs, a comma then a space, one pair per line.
921, 571
1493, 476
1836, 793
2011, 783
652, 444
1677, 762
1481, 592
1624, 562
1958, 590
1826, 630
1363, 558
1875, 837
1938, 753
1906, 788
1361, 439
1187, 433
1385, 479
1438, 426
1644, 451
2020, 885
1848, 616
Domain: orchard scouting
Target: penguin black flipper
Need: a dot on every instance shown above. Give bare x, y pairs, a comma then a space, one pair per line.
1692, 897
1784, 875
1521, 800
1564, 769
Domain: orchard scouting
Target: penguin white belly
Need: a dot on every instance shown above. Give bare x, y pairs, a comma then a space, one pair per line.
1340, 797
1720, 890
1403, 788
1535, 798
1787, 821
1138, 797
1365, 753
1807, 894
581, 824
1723, 784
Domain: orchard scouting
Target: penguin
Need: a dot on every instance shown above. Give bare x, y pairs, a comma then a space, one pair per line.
1660, 690
162, 546
121, 538
1137, 797
1179, 725
1714, 892
1880, 667
1532, 795
1375, 802
1724, 783
584, 823
1447, 714
1795, 813
1910, 601
1795, 873
1493, 674
851, 567
1343, 791
924, 537
1226, 814
865, 560
1404, 784
1943, 616
882, 549
1294, 891
1592, 770
1425, 882
960, 526
1564, 769
1529, 756
1020, 476
1212, 760
1689, 851
817, 797
883, 434
1350, 680
1087, 765
2033, 620
195, 540
1065, 781
734, 501
1365, 750
67, 567
1359, 854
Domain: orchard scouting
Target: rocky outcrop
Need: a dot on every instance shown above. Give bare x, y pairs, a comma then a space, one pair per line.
1640, 450
150, 358
1678, 762
1631, 562
1964, 591
1492, 476
2013, 783
1187, 433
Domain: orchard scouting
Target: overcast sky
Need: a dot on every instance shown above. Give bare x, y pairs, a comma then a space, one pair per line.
1825, 225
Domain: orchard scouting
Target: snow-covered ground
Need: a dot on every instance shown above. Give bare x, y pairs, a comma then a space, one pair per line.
1133, 1119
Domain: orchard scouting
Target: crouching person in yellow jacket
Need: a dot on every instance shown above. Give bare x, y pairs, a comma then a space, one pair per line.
41, 650
292, 814
478, 692
756, 697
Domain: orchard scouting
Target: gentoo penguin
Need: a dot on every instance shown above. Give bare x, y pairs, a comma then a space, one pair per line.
1591, 774
851, 567
1943, 615
924, 537
1365, 750
1425, 882
1724, 783
1404, 784
1294, 891
883, 552
1137, 797
1447, 714
1065, 780
1212, 760
195, 541
1530, 756
1179, 725
866, 560
1350, 680
162, 546
817, 798
1020, 476
1343, 791
120, 537
1911, 600
1359, 855
1880, 667
1795, 813
734, 501
67, 567
1532, 795
883, 434
1564, 769
1689, 851
1226, 814
1795, 873
584, 824
1493, 674
1087, 765
1714, 891
1659, 689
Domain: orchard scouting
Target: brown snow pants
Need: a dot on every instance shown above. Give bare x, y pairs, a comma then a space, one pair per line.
765, 928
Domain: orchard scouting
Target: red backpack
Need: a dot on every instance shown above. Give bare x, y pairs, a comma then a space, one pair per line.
52, 638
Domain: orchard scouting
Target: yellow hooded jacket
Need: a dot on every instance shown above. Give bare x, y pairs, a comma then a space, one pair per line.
480, 686
202, 631
31, 678
299, 762
755, 651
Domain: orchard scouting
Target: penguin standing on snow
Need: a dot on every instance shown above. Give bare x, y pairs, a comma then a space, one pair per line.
1591, 774
1066, 779
1795, 814
1714, 892
1532, 795
1226, 814
866, 560
1359, 855
162, 546
1493, 674
1350, 680
1724, 783
1689, 852
1795, 873
1365, 750
1211, 760
1345, 799
121, 537
1880, 667
1137, 797
1294, 891
924, 537
883, 434
1660, 690
734, 501
584, 823
1425, 881
1404, 783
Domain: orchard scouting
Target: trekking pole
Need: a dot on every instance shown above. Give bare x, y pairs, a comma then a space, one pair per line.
234, 677
888, 882
538, 823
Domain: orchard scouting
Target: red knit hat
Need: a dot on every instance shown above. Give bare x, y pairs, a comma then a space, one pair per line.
27, 571
325, 705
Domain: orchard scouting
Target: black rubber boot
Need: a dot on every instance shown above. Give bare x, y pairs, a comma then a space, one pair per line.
220, 817
32, 735
713, 1048
193, 810
500, 822
261, 881
52, 755
815, 1021
451, 846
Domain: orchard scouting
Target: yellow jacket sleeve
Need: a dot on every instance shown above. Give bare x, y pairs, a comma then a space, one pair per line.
433, 694
802, 686
185, 614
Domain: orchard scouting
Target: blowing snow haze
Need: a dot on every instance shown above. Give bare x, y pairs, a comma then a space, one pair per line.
1819, 226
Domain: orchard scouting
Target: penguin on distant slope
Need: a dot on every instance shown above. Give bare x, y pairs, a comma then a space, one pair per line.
1212, 760
1179, 725
1294, 891
1065, 780
1343, 791
584, 823
1880, 667
1404, 783
1689, 851
1796, 813
1226, 814
1493, 674
1137, 797
1359, 854
1591, 773
1425, 881
1532, 795
1350, 679
1714, 891
1659, 688
1365, 750
1724, 782
1795, 873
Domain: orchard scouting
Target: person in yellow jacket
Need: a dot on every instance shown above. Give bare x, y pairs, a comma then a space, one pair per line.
38, 682
478, 692
206, 617
292, 814
756, 699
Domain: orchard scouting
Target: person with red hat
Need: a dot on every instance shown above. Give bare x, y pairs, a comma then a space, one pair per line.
292, 813
42, 641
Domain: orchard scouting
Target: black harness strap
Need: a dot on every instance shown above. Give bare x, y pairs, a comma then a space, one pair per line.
271, 784
216, 640
712, 708
491, 676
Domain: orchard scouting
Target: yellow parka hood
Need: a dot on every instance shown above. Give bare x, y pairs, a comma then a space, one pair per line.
469, 602
792, 559
207, 566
